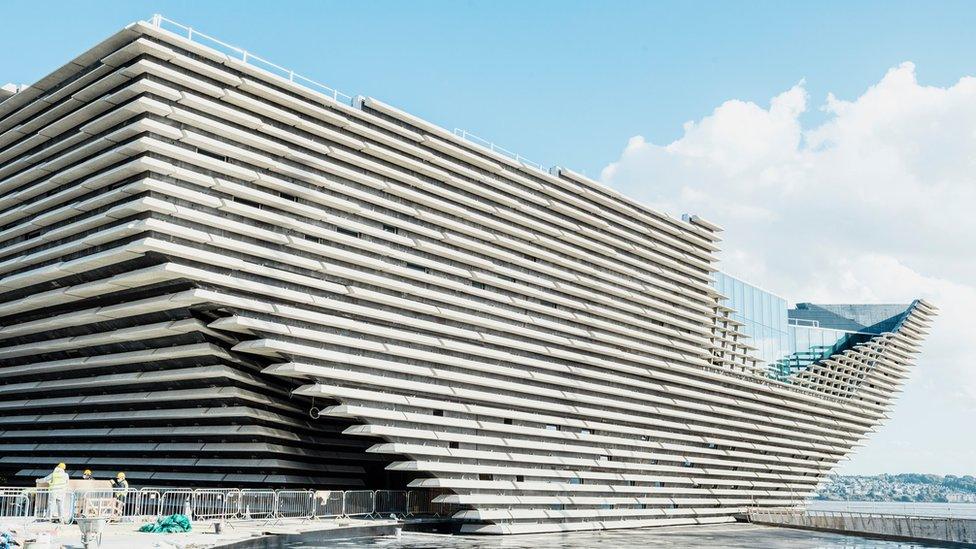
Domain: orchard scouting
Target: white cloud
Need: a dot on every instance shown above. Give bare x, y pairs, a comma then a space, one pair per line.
874, 204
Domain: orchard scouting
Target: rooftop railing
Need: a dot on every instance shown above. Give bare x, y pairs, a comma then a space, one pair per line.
803, 322
194, 35
472, 138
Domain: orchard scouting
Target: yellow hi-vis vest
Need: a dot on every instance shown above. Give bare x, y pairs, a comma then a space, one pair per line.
57, 480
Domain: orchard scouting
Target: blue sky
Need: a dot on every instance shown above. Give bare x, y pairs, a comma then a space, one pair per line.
719, 108
560, 82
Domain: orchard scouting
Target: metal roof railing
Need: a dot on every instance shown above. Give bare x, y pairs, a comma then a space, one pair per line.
472, 138
184, 31
193, 35
803, 322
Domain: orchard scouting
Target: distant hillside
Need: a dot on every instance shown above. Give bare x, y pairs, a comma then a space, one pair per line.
901, 487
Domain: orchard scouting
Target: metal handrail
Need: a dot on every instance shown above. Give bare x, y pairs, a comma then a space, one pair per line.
193, 35
491, 146
160, 22
800, 322
843, 512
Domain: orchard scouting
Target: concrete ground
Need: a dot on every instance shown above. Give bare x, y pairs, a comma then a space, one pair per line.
235, 534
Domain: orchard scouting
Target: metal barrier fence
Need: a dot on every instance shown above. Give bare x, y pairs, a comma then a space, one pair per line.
295, 504
421, 503
139, 503
14, 507
97, 503
390, 502
358, 503
51, 505
328, 504
258, 505
215, 504
36, 504
172, 502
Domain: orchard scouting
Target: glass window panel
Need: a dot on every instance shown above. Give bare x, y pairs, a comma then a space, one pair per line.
767, 307
825, 339
747, 302
737, 291
761, 342
757, 306
802, 339
764, 346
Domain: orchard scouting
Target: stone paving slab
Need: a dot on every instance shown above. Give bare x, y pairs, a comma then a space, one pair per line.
125, 535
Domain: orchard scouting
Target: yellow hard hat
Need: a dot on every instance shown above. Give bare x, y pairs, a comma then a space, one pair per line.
61, 466
87, 471
120, 475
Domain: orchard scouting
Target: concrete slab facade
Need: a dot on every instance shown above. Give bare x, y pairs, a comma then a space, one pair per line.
211, 273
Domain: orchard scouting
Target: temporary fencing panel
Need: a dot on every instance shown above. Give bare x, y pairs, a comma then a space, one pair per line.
298, 504
14, 506
258, 504
40, 508
216, 504
175, 502
418, 503
129, 503
358, 503
105, 503
421, 503
390, 502
213, 504
51, 505
327, 504
144, 504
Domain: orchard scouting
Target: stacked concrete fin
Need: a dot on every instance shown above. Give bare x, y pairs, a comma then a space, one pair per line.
872, 373
187, 239
106, 292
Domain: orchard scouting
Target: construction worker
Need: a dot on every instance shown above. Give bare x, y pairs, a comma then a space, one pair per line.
120, 489
120, 486
87, 475
57, 488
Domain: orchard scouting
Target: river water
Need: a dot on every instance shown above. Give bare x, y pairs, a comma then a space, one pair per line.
744, 536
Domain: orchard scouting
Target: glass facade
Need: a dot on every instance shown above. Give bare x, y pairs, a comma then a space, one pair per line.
809, 344
762, 314
783, 344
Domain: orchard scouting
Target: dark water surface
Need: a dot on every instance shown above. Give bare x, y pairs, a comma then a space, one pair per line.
730, 535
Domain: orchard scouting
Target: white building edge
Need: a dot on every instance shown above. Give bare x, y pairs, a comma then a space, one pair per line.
194, 252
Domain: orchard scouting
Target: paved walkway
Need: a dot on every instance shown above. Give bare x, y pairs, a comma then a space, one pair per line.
125, 535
